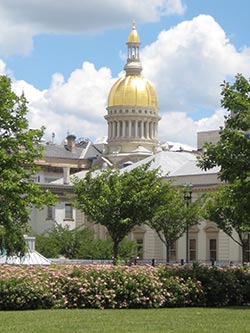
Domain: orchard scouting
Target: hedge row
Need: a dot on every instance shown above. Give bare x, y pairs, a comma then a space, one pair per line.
24, 287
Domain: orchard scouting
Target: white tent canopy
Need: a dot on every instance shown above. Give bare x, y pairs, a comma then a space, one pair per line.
31, 257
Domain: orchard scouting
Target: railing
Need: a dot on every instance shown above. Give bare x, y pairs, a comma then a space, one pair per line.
145, 262
81, 261
218, 263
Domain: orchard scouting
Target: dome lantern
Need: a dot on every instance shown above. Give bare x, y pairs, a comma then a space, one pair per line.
133, 89
132, 116
133, 65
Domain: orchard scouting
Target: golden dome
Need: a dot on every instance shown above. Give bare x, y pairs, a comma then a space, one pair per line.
133, 36
132, 90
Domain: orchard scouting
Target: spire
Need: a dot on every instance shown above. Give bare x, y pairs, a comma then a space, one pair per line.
133, 65
133, 36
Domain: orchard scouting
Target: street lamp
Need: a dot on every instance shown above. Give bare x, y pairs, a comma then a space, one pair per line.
187, 195
115, 154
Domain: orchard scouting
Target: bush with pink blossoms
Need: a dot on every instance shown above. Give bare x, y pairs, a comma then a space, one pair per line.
228, 286
93, 286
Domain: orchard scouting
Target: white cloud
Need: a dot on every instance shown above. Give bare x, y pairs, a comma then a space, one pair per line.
76, 105
215, 121
22, 20
179, 127
175, 7
2, 67
187, 64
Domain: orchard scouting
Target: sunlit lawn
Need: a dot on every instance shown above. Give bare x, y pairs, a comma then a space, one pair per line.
157, 320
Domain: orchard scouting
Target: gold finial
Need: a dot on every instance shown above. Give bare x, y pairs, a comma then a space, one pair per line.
133, 36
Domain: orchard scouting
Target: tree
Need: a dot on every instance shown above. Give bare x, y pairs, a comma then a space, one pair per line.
232, 151
79, 244
119, 200
19, 146
60, 241
173, 216
228, 207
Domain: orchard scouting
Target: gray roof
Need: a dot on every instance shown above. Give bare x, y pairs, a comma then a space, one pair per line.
170, 163
63, 152
85, 150
173, 164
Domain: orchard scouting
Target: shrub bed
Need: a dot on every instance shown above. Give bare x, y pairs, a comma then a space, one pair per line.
73, 286
221, 286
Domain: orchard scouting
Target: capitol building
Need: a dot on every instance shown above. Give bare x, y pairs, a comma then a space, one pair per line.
132, 117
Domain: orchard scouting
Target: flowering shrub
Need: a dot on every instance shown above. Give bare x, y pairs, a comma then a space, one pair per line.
183, 292
18, 294
221, 286
125, 287
92, 286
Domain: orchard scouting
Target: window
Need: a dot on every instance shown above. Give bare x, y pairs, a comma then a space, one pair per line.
172, 252
50, 213
212, 249
68, 211
192, 249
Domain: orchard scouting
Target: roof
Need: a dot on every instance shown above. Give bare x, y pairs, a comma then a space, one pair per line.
170, 163
30, 258
62, 151
133, 90
173, 164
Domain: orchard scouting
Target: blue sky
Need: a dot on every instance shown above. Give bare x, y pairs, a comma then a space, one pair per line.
66, 55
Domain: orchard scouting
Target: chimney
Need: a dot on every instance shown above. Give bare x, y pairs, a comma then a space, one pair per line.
71, 143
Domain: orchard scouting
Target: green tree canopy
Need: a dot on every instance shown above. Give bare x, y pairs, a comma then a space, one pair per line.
19, 146
232, 151
119, 200
173, 216
80, 244
229, 207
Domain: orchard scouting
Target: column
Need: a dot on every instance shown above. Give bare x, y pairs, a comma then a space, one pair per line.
118, 129
123, 128
142, 129
109, 130
150, 133
129, 128
156, 130
147, 130
113, 129
136, 128
66, 175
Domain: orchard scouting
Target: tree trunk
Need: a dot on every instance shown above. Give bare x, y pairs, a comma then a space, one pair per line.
243, 248
115, 252
168, 252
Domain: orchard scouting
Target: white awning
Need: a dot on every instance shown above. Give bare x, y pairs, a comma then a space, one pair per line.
30, 258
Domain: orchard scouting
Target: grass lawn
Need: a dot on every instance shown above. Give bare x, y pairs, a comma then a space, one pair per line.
228, 320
